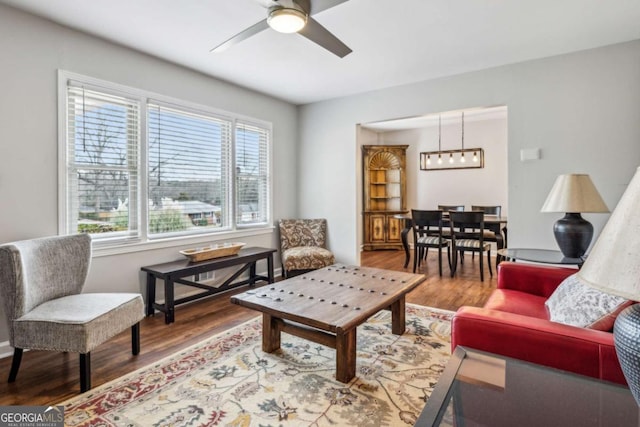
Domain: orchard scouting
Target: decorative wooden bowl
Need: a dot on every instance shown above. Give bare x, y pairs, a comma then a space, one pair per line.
212, 251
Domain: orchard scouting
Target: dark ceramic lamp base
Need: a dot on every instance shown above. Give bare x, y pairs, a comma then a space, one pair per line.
626, 337
573, 234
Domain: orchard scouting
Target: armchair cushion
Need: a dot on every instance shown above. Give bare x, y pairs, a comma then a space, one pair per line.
306, 258
575, 303
77, 323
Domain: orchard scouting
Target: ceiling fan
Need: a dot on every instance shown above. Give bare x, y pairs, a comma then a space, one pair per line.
294, 16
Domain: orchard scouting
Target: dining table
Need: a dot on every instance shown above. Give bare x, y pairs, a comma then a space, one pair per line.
496, 224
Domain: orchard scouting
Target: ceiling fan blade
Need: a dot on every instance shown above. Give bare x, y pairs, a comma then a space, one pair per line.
320, 5
320, 35
267, 3
251, 31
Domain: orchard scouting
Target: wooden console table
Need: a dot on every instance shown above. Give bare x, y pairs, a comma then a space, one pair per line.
177, 272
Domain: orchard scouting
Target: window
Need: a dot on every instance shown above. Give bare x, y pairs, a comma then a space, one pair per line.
188, 170
139, 166
252, 174
103, 139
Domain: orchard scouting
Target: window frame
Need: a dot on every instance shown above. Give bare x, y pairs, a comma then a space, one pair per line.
142, 240
269, 190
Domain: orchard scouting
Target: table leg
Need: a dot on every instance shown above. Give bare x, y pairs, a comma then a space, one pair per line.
398, 319
499, 246
270, 268
252, 273
169, 304
405, 242
504, 233
151, 294
346, 355
270, 333
504, 239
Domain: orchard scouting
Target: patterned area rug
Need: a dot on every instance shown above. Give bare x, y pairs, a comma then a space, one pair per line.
227, 380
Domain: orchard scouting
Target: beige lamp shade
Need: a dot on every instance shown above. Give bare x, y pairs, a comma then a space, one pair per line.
613, 265
574, 193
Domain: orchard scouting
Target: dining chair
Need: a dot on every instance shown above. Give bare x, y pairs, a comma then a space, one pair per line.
427, 233
467, 235
493, 233
447, 208
488, 210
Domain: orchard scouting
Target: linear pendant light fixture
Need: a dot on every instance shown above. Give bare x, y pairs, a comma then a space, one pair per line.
456, 158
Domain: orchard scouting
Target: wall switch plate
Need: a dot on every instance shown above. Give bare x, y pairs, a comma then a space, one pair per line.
529, 154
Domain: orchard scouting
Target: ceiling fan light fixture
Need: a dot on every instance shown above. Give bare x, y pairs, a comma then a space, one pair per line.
287, 20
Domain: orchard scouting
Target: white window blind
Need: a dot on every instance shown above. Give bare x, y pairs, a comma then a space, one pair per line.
252, 174
188, 156
102, 156
139, 166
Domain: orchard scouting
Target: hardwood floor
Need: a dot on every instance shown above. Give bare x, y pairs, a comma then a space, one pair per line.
48, 377
440, 292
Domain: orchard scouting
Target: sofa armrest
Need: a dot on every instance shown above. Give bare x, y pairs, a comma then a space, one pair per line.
531, 278
583, 351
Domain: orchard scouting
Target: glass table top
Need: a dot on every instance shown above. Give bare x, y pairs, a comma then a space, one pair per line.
545, 256
481, 389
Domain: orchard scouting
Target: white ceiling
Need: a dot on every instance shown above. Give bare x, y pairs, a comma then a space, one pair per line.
393, 42
444, 118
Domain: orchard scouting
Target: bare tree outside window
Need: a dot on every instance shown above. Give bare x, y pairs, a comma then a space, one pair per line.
104, 150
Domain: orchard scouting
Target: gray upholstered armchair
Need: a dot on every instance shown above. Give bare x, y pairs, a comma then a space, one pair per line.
303, 245
41, 281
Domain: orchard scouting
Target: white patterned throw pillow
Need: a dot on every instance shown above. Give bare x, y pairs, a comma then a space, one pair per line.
574, 303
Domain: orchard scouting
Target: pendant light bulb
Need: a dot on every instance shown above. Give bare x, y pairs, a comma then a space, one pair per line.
475, 157
462, 159
428, 159
439, 159
450, 157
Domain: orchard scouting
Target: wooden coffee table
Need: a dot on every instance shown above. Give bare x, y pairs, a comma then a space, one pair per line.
326, 306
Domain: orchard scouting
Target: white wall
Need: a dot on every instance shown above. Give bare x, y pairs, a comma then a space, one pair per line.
484, 186
32, 50
580, 109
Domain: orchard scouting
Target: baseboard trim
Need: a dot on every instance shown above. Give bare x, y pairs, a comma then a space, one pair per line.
5, 350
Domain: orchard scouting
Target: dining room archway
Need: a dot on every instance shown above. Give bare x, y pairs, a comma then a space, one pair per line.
484, 127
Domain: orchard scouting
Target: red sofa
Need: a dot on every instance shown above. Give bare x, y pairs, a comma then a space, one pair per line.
514, 322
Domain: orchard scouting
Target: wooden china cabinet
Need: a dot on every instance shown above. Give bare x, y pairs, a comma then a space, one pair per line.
384, 191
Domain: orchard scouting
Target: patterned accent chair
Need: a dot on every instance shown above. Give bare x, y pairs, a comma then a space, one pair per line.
303, 246
41, 281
